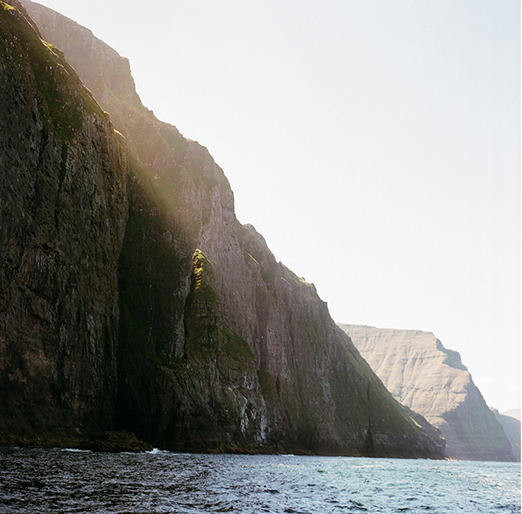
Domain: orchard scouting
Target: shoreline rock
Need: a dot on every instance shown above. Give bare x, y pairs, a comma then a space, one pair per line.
115, 442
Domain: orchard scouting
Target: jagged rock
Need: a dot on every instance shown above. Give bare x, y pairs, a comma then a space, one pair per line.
115, 442
63, 208
432, 381
219, 346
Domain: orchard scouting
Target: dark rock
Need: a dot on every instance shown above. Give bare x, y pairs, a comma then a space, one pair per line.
63, 209
115, 442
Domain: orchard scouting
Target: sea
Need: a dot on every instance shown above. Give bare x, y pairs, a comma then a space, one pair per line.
36, 480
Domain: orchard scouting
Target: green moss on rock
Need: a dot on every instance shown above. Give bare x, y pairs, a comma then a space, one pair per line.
236, 345
64, 99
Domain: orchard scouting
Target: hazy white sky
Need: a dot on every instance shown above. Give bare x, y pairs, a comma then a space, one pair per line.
375, 144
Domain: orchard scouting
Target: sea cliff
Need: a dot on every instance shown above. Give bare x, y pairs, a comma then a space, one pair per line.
197, 338
431, 380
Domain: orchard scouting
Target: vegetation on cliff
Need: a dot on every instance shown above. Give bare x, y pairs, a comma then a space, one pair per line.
63, 101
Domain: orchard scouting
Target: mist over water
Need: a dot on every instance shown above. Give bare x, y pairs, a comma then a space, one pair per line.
38, 480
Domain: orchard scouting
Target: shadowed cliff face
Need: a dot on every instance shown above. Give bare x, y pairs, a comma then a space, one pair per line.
432, 381
511, 427
62, 216
219, 344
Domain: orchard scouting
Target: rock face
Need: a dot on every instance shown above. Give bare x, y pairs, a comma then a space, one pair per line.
432, 381
511, 426
218, 345
63, 209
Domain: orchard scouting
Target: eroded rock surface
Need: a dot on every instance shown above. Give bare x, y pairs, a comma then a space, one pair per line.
431, 380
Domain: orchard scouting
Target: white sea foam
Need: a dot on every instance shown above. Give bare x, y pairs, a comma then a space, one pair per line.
156, 451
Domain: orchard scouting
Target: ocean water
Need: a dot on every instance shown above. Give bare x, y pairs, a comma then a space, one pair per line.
34, 480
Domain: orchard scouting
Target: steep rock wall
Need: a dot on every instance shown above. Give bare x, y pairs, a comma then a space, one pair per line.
62, 217
221, 345
431, 380
326, 394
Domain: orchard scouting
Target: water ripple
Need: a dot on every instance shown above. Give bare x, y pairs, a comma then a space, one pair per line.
38, 480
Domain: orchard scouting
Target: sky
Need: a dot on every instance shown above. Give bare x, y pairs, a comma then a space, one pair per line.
375, 145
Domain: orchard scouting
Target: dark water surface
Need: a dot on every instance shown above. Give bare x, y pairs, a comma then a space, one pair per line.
38, 480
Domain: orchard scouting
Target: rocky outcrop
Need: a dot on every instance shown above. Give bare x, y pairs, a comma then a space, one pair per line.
63, 209
511, 426
431, 380
115, 442
219, 345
